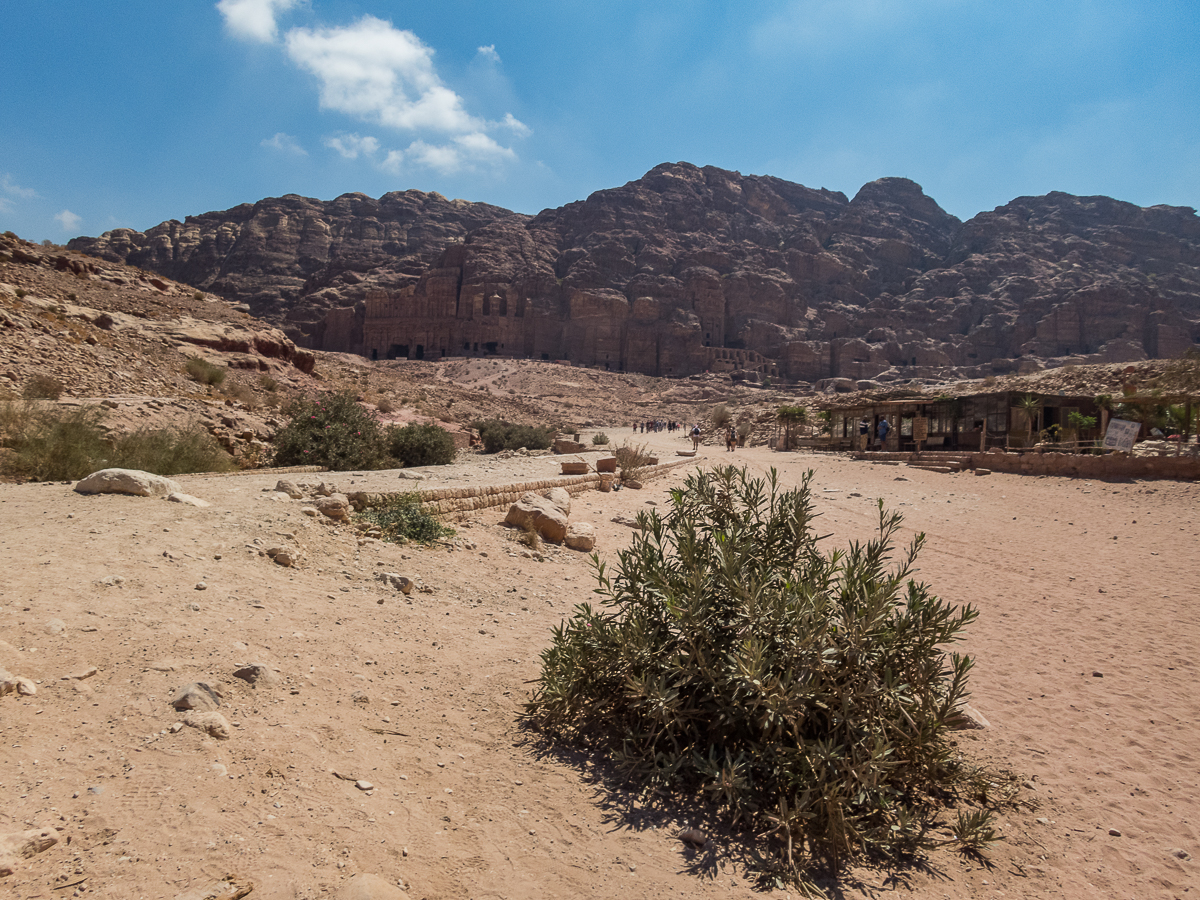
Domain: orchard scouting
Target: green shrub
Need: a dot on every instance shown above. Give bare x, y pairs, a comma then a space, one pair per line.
805, 694
267, 383
52, 444
632, 459
43, 387
599, 439
204, 372
421, 445
497, 435
720, 416
171, 451
333, 431
401, 518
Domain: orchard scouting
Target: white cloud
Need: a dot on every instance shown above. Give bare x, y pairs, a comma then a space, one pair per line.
375, 71
463, 152
284, 143
385, 75
351, 146
393, 162
68, 220
516, 126
12, 189
489, 53
253, 20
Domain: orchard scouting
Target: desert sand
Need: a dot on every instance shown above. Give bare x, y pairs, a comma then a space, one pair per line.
1086, 650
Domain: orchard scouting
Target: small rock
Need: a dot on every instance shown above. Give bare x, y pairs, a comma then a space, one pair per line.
1114, 832
201, 586
287, 487
187, 499
127, 481
231, 887
336, 507
310, 511
370, 887
81, 674
693, 836
581, 536
1041, 820
1180, 853
364, 785
402, 583
56, 626
176, 727
26, 688
257, 674
282, 556
359, 697
1097, 674
24, 845
196, 695
211, 723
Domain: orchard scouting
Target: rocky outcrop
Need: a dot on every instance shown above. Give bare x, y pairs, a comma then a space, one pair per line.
291, 258
691, 269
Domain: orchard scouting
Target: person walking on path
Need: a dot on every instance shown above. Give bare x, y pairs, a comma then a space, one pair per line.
729, 438
883, 430
695, 437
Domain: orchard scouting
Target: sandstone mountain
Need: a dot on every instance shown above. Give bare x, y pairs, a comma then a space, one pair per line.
288, 259
690, 269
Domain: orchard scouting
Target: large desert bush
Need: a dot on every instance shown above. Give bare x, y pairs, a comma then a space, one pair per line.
421, 445
402, 518
201, 370
43, 387
171, 451
497, 435
48, 443
331, 430
805, 694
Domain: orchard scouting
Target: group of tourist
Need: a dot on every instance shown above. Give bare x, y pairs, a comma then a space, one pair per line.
652, 425
881, 433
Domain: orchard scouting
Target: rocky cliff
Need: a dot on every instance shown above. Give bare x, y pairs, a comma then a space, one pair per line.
291, 258
690, 269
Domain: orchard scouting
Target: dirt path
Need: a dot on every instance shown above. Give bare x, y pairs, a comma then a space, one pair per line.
419, 695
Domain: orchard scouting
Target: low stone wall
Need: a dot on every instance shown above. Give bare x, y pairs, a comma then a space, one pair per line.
1066, 465
1075, 465
450, 500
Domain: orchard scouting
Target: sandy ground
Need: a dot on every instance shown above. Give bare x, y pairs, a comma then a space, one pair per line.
1086, 668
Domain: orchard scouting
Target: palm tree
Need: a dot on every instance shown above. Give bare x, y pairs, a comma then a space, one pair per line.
790, 416
1030, 404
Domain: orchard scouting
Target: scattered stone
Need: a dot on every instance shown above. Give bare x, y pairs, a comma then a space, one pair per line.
1097, 674
967, 716
560, 498
257, 674
370, 887
176, 727
211, 723
335, 506
196, 695
26, 688
363, 785
1115, 832
1041, 820
581, 536
359, 697
402, 583
693, 836
632, 484
127, 481
56, 626
625, 520
231, 887
1180, 853
23, 845
983, 471
412, 476
81, 674
310, 511
541, 514
188, 499
282, 556
287, 487
201, 586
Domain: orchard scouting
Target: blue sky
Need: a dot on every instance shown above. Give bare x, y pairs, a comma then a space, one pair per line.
126, 114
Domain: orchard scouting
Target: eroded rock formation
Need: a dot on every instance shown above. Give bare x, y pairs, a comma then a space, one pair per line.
690, 269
